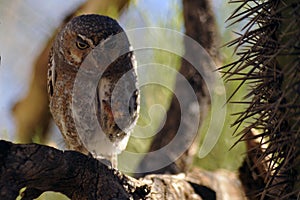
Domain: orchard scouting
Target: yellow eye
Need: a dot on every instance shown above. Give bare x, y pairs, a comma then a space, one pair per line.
82, 45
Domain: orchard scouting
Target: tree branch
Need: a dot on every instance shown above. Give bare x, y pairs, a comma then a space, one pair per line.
200, 25
40, 168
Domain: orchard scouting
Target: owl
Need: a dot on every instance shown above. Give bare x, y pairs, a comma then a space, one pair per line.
92, 54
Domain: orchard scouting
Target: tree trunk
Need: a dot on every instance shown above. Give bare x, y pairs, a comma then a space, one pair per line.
200, 26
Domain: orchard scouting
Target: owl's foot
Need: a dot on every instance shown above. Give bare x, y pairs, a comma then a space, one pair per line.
111, 161
106, 162
114, 160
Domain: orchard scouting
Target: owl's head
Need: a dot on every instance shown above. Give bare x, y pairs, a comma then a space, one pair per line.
82, 34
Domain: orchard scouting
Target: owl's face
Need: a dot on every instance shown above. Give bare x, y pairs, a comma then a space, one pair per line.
82, 34
74, 48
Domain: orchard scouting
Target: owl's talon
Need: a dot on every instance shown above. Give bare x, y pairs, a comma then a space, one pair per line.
106, 162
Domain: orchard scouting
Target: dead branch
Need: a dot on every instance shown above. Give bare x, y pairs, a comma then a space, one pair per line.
41, 168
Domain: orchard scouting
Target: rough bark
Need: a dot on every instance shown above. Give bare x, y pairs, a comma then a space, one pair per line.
40, 168
252, 171
200, 26
35, 101
220, 184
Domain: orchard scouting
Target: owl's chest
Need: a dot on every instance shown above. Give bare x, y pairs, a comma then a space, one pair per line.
61, 103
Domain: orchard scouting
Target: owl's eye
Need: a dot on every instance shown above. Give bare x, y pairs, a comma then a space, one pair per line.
81, 43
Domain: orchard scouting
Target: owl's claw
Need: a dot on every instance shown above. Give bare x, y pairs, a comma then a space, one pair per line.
106, 162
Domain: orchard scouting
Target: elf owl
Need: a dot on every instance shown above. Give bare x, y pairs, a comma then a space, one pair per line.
115, 105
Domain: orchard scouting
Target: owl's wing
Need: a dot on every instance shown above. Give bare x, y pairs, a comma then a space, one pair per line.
103, 107
51, 74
